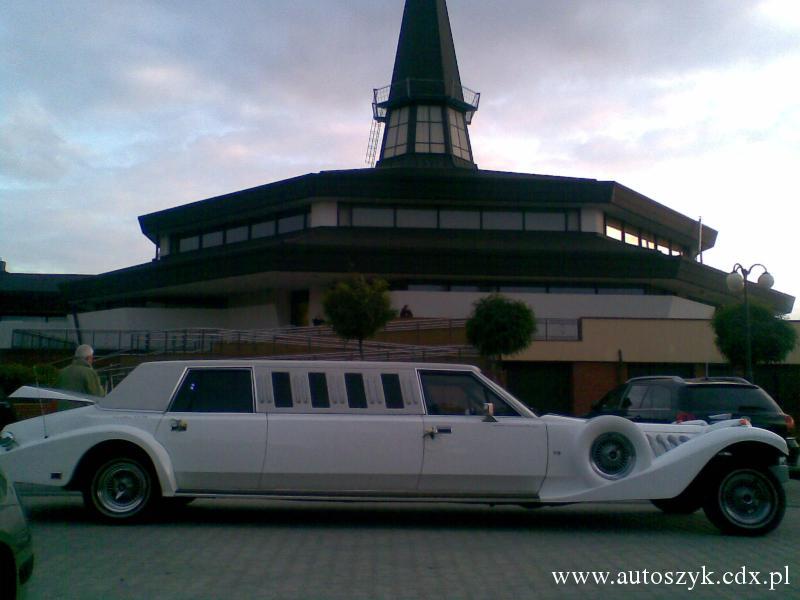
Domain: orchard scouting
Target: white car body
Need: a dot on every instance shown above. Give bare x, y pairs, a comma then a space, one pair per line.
363, 431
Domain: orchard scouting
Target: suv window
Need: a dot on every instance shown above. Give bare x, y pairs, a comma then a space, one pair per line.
215, 390
634, 399
460, 393
659, 398
710, 398
611, 400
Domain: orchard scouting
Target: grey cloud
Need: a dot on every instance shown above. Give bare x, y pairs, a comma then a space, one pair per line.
31, 150
184, 100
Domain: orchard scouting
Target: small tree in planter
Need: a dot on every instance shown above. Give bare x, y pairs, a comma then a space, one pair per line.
500, 326
356, 309
772, 337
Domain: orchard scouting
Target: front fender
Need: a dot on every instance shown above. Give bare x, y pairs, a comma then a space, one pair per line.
668, 474
53, 460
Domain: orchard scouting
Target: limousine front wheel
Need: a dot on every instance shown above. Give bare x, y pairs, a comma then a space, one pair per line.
745, 501
120, 489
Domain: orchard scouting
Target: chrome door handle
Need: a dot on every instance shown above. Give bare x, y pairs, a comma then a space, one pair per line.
432, 431
178, 425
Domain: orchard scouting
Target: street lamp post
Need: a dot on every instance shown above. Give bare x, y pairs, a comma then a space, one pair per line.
737, 281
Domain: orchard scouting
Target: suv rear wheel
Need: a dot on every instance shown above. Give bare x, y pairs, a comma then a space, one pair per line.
745, 500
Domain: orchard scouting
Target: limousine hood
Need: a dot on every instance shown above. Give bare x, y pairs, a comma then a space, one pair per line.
148, 387
32, 393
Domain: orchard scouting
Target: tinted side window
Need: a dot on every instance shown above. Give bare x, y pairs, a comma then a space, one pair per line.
611, 400
634, 399
318, 385
391, 390
356, 395
281, 390
659, 398
730, 398
215, 390
459, 393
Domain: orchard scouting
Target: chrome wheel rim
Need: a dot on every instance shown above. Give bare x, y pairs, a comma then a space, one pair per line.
748, 498
121, 488
612, 455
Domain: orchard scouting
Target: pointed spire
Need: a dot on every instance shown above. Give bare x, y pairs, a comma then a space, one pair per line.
425, 52
426, 109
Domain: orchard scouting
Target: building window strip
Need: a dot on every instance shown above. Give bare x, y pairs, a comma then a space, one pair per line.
486, 219
286, 223
628, 234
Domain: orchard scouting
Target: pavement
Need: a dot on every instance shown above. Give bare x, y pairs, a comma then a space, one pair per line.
241, 548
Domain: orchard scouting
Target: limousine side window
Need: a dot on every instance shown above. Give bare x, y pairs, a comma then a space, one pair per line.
281, 389
356, 394
215, 390
460, 393
318, 386
392, 392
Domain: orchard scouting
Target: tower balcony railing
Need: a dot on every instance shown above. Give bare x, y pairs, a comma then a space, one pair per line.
422, 88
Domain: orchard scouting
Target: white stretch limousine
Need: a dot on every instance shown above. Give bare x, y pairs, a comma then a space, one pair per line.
381, 431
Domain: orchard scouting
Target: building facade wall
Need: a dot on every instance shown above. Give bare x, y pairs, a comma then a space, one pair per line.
263, 316
633, 340
458, 305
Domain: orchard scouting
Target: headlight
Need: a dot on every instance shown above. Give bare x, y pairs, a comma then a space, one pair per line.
7, 440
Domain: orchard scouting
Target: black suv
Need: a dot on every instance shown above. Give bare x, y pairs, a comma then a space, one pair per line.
674, 399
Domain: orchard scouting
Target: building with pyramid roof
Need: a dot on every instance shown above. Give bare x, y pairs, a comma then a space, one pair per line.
612, 275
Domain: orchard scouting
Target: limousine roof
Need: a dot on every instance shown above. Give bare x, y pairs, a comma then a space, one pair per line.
151, 385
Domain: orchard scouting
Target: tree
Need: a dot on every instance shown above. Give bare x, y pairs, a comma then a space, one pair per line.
500, 326
357, 309
772, 337
14, 375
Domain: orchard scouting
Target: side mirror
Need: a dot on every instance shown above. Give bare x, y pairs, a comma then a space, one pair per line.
488, 409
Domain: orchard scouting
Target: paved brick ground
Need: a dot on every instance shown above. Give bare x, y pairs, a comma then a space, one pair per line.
261, 549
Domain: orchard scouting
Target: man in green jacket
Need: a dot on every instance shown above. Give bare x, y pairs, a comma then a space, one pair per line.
80, 376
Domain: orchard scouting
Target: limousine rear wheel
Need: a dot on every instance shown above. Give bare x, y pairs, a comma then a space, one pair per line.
120, 489
745, 500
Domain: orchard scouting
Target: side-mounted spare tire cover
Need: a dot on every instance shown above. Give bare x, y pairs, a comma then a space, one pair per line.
611, 448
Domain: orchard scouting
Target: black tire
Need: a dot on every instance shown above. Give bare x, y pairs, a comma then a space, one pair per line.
745, 500
121, 489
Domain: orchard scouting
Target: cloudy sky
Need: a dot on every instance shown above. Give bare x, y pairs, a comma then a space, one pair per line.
113, 109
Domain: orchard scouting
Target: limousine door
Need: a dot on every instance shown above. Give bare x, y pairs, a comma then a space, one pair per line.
215, 440
466, 454
336, 433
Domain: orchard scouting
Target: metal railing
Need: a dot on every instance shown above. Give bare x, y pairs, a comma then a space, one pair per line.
423, 87
219, 341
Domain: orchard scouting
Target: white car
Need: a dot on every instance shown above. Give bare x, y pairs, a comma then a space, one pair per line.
381, 431
16, 547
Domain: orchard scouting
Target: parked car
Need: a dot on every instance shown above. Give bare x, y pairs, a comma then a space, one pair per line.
6, 412
16, 548
380, 431
710, 399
